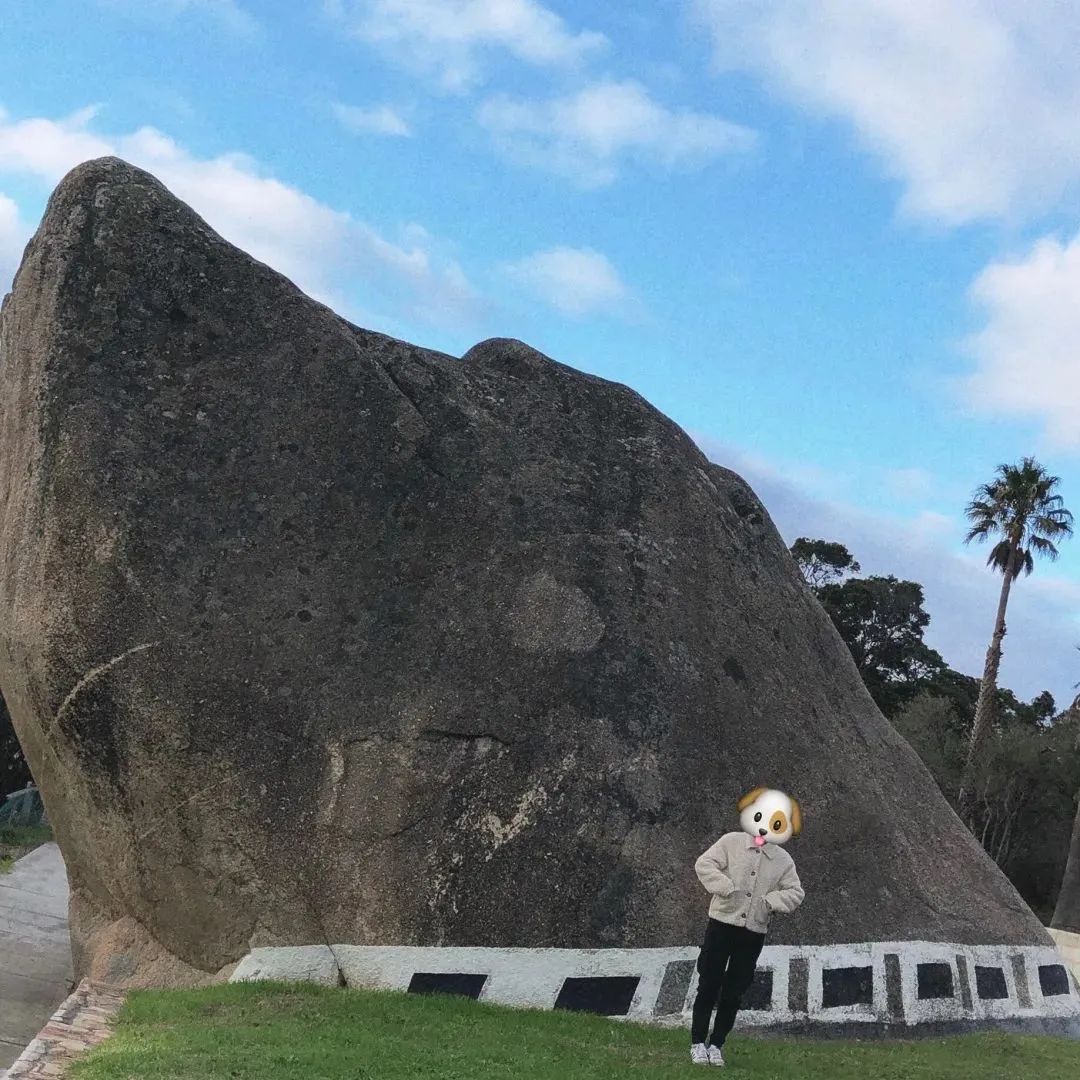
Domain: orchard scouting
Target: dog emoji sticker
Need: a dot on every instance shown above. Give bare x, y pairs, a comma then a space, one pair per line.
769, 816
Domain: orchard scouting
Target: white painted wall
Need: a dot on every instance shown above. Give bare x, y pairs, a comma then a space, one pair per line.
532, 978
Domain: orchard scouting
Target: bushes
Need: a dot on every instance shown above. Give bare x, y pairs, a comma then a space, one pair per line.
17, 840
1024, 791
14, 772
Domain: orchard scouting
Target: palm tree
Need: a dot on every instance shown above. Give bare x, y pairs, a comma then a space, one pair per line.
1022, 507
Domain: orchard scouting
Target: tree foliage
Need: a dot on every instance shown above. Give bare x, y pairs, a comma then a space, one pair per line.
1022, 507
1022, 791
14, 773
1024, 788
882, 620
823, 562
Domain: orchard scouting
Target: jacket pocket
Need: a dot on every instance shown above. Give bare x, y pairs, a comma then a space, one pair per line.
723, 899
724, 905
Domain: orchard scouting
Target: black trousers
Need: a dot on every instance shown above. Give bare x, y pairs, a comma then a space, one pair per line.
725, 971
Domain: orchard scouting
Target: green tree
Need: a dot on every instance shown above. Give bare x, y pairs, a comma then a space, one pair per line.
1022, 507
933, 727
1034, 714
882, 620
962, 693
14, 773
823, 562
1022, 791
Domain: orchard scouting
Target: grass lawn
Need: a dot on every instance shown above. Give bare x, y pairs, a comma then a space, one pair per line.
285, 1032
17, 840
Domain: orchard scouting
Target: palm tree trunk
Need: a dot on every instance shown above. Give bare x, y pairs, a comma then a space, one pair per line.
984, 710
1067, 911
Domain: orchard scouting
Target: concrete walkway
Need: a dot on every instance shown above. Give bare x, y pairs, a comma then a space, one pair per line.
81, 1022
35, 951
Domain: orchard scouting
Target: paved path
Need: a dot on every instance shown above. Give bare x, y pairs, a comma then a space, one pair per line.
81, 1022
35, 951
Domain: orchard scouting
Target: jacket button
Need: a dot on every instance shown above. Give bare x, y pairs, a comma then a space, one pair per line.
753, 873
749, 894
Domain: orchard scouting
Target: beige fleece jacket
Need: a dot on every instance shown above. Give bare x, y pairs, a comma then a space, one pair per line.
748, 884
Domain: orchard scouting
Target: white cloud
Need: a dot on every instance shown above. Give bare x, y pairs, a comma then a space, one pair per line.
225, 13
48, 148
375, 120
319, 248
931, 525
1027, 355
912, 483
973, 104
14, 233
586, 136
448, 38
575, 281
809, 478
961, 593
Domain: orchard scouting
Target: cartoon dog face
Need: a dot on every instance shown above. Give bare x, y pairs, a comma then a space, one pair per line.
769, 816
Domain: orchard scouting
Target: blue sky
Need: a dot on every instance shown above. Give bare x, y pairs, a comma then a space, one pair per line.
835, 242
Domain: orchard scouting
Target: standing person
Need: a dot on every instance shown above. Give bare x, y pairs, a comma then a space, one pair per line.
750, 877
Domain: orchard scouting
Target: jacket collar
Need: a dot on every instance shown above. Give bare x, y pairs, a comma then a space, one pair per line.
766, 847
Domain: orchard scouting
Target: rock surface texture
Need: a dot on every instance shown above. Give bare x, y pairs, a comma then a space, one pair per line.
311, 634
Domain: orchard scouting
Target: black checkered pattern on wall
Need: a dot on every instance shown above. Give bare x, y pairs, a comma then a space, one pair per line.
847, 986
934, 981
759, 996
990, 983
437, 982
1053, 979
613, 995
607, 995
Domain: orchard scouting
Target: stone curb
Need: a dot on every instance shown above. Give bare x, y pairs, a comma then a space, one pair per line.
871, 986
81, 1022
85, 1018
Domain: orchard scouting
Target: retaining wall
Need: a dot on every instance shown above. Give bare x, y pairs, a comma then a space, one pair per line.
866, 988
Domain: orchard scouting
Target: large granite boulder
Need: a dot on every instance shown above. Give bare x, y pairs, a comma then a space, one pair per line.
312, 634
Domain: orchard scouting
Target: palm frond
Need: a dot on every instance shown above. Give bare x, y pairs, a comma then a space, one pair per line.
1000, 555
1043, 546
1054, 523
1021, 506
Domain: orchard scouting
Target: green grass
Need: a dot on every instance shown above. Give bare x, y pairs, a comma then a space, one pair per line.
265, 1030
17, 840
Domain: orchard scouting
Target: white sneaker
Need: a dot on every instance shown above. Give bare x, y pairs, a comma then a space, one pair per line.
715, 1057
699, 1054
